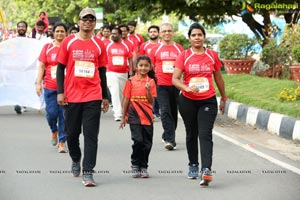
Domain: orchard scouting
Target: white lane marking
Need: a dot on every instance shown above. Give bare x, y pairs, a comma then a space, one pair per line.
258, 153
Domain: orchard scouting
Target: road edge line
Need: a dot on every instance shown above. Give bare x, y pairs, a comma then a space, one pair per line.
258, 153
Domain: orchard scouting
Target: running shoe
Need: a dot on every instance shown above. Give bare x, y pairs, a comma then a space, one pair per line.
88, 180
144, 173
193, 171
170, 146
62, 148
206, 177
135, 173
75, 168
54, 138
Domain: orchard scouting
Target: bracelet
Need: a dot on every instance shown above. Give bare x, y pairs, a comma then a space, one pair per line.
224, 98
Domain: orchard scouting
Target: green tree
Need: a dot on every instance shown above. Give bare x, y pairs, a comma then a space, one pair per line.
211, 12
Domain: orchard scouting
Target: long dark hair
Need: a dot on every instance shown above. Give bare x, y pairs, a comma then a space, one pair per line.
151, 73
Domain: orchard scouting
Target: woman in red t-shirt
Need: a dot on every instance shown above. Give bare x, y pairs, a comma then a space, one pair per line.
138, 94
197, 102
47, 75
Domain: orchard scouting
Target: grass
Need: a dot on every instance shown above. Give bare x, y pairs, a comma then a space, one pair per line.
261, 92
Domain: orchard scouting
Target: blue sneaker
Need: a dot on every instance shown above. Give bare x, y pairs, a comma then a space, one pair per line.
206, 177
88, 180
76, 168
193, 171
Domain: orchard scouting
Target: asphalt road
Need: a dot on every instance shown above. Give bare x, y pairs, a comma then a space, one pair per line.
31, 169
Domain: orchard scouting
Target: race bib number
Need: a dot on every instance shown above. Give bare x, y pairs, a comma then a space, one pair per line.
84, 69
118, 60
200, 82
168, 66
53, 71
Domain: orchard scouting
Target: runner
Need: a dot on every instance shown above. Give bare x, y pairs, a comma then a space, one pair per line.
163, 56
106, 35
137, 112
82, 92
47, 77
197, 102
137, 39
125, 30
21, 30
119, 64
145, 49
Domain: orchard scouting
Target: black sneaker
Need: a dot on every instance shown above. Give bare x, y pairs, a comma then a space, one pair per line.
206, 177
170, 146
88, 180
76, 168
18, 109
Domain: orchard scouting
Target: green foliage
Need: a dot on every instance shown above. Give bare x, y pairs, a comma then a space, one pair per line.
181, 39
290, 38
284, 54
296, 53
261, 93
274, 54
236, 46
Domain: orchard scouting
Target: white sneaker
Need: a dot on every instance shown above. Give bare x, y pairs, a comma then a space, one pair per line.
117, 119
62, 148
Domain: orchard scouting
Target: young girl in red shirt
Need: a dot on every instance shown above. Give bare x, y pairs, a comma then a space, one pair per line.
138, 95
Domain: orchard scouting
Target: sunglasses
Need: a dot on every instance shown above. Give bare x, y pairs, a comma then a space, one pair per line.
91, 19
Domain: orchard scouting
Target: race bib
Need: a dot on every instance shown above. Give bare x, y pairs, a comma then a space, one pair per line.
168, 66
118, 60
200, 82
53, 71
84, 69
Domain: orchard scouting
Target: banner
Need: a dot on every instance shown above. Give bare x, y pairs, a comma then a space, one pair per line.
18, 71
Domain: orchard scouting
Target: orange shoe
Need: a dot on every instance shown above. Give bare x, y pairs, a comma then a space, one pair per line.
62, 148
54, 138
206, 177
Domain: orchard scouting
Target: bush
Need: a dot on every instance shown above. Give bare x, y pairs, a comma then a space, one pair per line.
296, 53
290, 39
273, 54
181, 39
236, 46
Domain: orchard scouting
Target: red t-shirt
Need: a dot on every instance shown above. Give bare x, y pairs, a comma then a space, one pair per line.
131, 45
106, 41
198, 70
82, 59
163, 58
48, 57
139, 109
137, 39
146, 48
118, 54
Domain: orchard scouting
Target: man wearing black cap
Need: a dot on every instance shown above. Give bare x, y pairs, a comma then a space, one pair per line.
82, 91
